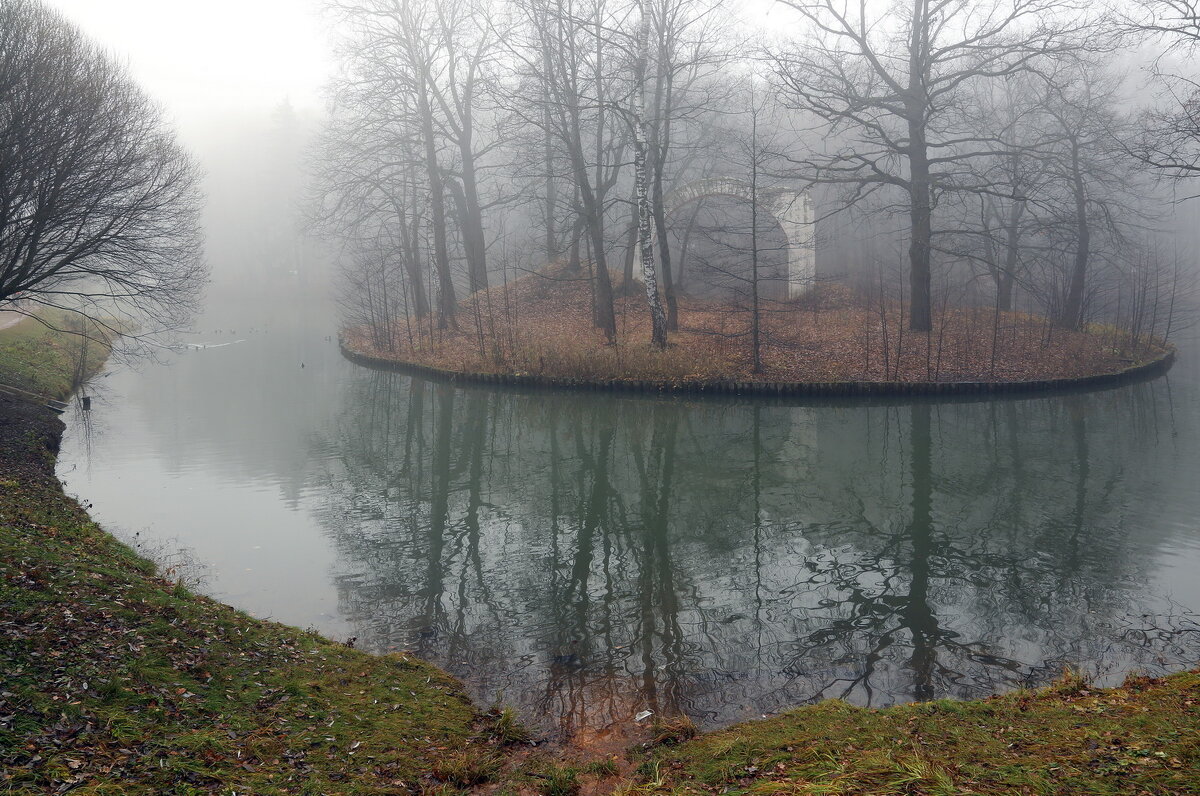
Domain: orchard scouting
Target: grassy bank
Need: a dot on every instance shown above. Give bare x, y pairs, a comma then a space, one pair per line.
116, 680
1143, 738
43, 358
539, 327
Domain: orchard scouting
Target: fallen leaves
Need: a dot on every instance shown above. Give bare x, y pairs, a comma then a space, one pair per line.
541, 325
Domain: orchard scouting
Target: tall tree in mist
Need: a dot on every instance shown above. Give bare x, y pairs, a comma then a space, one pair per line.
1088, 163
641, 145
98, 203
371, 186
467, 45
887, 85
567, 56
415, 71
688, 48
994, 224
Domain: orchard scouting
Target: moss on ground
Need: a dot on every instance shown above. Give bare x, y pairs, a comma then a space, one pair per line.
1066, 739
114, 680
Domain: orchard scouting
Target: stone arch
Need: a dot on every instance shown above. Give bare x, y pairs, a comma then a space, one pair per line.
792, 210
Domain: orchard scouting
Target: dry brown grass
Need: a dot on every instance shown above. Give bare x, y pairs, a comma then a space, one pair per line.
541, 325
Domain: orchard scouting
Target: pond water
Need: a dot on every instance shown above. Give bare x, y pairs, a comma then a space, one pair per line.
584, 556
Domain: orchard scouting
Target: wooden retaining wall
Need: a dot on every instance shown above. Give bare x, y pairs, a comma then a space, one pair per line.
787, 389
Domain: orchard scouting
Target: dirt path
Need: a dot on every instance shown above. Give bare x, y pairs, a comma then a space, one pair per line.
8, 319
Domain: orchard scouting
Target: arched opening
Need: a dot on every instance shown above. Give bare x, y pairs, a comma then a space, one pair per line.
789, 210
713, 240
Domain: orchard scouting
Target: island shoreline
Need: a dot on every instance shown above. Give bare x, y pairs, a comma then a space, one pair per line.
1137, 373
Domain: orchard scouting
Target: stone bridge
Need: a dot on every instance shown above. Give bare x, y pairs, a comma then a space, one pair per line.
791, 209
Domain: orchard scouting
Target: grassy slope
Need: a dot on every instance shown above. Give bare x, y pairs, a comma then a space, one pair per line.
122, 682
41, 360
1068, 739
114, 680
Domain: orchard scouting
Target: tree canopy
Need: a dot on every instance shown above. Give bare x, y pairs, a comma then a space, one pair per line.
99, 205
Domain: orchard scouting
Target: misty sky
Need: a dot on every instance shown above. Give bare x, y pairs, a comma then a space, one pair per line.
223, 57
216, 57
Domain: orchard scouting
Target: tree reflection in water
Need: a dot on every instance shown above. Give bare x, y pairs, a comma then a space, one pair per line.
585, 558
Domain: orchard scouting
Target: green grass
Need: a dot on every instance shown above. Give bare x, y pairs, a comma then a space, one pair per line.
1067, 739
117, 677
42, 360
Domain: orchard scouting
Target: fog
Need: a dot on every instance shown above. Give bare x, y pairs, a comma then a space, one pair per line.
250, 86
217, 59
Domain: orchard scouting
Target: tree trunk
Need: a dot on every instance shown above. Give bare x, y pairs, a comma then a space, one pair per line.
687, 237
661, 145
410, 256
412, 264
603, 315
447, 302
551, 185
1071, 316
755, 317
630, 250
658, 319
1006, 279
474, 241
664, 251
573, 257
920, 318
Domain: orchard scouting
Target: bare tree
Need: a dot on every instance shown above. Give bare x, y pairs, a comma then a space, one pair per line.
397, 59
98, 203
466, 41
1090, 166
371, 183
994, 222
688, 51
888, 84
641, 146
741, 254
1169, 139
572, 91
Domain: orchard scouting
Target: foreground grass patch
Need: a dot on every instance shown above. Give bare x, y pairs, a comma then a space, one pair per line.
117, 681
1067, 739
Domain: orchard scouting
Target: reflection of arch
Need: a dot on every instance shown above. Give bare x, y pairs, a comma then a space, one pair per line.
791, 209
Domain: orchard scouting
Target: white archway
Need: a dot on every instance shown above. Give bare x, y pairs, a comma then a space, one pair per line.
791, 209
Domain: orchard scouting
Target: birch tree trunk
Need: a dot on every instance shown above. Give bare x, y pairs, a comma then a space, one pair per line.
658, 318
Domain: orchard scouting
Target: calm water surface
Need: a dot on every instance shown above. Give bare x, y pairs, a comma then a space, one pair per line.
584, 557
